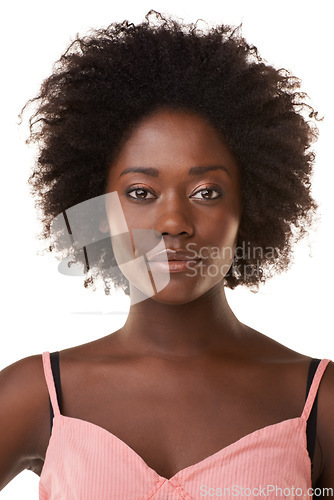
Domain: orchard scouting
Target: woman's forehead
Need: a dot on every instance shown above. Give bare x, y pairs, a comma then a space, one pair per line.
175, 136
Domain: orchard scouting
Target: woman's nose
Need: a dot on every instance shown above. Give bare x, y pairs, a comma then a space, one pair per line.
174, 221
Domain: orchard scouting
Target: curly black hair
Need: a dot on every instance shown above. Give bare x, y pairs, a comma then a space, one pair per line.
108, 81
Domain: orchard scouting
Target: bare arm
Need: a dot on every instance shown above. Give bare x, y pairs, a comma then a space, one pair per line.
23, 403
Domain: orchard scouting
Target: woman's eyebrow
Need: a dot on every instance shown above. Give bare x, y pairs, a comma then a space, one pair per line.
153, 172
202, 170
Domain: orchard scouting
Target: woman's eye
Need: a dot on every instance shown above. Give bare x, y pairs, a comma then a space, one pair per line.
208, 194
140, 194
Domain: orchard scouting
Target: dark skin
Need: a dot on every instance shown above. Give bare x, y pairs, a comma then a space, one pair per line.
183, 378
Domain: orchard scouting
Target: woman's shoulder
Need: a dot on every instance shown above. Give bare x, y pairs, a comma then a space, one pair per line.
22, 384
269, 351
23, 391
23, 409
287, 366
292, 369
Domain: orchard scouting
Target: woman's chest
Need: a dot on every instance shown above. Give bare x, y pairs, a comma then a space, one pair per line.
82, 455
172, 421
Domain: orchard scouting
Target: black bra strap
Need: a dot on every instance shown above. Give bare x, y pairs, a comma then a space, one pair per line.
54, 358
311, 427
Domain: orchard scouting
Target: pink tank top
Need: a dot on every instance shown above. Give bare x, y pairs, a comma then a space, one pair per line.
86, 462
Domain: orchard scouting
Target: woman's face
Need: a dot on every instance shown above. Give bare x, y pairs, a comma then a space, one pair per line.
177, 179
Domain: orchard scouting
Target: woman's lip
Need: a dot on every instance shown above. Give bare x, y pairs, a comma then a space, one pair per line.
174, 266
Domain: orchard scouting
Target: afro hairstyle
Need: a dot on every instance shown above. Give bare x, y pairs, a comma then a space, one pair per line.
109, 80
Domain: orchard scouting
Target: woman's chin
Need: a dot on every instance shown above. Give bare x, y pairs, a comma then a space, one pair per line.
172, 294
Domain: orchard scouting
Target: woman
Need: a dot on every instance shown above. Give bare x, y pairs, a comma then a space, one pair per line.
199, 153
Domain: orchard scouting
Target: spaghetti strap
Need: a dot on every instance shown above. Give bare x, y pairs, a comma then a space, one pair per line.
314, 388
50, 382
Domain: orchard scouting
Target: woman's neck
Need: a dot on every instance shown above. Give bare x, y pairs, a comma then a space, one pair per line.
197, 328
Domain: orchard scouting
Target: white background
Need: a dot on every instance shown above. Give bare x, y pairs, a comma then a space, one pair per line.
44, 310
